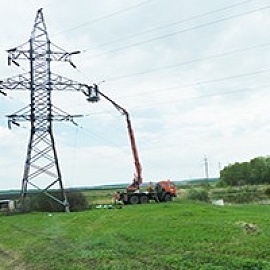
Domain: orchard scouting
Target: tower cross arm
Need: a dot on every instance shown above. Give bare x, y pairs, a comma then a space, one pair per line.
54, 53
19, 82
17, 53
61, 83
23, 114
58, 54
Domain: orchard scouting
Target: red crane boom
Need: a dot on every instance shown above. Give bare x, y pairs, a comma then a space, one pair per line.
137, 181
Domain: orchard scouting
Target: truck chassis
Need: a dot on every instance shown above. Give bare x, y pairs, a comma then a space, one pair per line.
144, 197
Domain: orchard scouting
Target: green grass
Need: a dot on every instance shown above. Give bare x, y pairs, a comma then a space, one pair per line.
177, 235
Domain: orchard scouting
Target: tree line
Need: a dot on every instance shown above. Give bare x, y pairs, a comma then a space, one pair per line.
254, 172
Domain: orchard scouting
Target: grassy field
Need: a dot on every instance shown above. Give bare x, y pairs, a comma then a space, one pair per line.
176, 235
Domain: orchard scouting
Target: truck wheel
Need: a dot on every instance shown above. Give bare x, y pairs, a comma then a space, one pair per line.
167, 197
134, 199
144, 199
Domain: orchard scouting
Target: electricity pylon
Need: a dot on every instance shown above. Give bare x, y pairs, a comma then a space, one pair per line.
41, 170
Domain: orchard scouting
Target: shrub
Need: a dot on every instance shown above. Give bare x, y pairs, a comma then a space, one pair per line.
77, 201
198, 195
243, 197
221, 184
41, 202
267, 192
205, 185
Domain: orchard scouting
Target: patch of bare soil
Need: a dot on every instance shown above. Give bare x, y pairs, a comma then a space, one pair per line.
10, 260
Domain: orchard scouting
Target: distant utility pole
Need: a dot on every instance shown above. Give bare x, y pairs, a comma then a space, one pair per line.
206, 168
219, 168
41, 170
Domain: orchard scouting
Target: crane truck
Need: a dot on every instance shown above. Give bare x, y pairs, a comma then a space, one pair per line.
163, 191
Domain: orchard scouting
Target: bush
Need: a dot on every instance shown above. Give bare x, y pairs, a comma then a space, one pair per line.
243, 197
198, 195
221, 184
77, 201
267, 192
41, 202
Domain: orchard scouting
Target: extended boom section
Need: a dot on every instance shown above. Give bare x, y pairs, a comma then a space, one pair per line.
137, 181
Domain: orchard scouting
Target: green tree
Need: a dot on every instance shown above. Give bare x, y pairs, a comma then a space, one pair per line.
254, 172
236, 174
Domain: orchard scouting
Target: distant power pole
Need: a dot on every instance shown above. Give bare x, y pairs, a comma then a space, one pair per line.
206, 168
219, 168
41, 170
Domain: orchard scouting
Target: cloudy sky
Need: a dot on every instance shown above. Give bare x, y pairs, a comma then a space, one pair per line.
194, 76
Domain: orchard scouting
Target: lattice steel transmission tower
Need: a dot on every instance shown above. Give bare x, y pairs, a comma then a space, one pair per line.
41, 170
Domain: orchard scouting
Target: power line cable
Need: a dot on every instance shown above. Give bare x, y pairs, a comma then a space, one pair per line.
204, 82
170, 24
229, 77
105, 17
219, 94
202, 59
98, 136
182, 31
